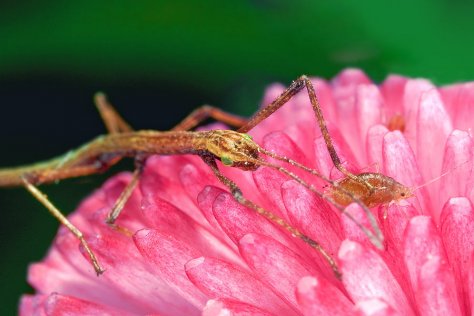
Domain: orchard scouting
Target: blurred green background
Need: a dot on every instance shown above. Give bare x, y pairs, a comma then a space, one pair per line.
158, 60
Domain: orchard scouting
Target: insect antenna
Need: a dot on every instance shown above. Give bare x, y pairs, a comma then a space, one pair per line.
439, 177
376, 239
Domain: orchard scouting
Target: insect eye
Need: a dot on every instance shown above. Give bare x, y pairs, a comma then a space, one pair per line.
226, 161
402, 194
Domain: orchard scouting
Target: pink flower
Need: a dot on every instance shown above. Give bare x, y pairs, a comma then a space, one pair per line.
195, 250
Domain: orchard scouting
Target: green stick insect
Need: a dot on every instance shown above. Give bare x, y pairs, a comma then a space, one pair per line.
235, 149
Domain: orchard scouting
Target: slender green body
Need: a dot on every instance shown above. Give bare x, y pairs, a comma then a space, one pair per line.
232, 148
104, 151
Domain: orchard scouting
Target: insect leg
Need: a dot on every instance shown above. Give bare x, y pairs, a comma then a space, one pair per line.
123, 198
207, 111
295, 87
126, 193
115, 124
238, 196
43, 199
264, 112
112, 119
324, 130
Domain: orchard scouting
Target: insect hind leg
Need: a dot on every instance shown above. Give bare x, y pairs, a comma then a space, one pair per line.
112, 119
115, 124
197, 116
43, 199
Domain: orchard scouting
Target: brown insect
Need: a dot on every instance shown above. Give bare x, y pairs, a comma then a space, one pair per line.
233, 148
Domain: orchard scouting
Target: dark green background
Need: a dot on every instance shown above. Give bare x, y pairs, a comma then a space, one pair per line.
158, 60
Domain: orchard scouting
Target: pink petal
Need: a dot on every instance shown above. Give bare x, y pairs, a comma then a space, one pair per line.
436, 293
433, 128
392, 229
430, 274
398, 217
205, 201
351, 227
414, 90
471, 281
275, 264
225, 307
167, 257
395, 224
392, 91
318, 297
161, 178
269, 184
345, 87
457, 232
369, 112
375, 139
458, 165
398, 157
351, 76
67, 305
323, 161
32, 305
299, 112
208, 274
237, 221
269, 181
312, 216
366, 276
162, 214
459, 100
346, 135
422, 242
195, 178
140, 290
281, 143
400, 164
375, 307
167, 218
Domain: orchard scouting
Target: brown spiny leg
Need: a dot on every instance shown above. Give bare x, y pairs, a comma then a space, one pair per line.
238, 196
112, 119
207, 111
115, 124
43, 199
295, 87
125, 195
